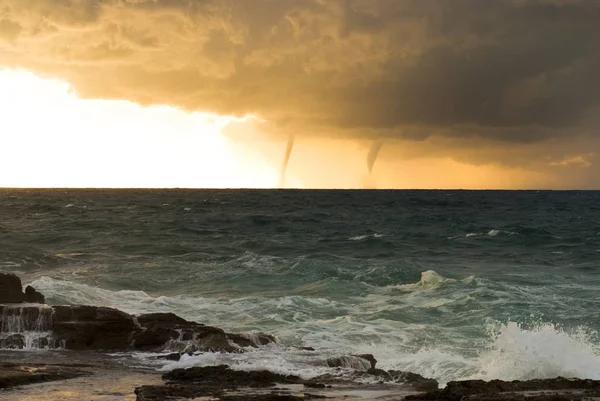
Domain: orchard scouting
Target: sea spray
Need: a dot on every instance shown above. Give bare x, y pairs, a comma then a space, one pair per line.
544, 351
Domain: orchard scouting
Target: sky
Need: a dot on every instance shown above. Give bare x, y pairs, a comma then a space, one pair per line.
300, 93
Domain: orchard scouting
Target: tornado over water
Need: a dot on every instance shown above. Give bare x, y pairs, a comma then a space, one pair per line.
373, 154
286, 160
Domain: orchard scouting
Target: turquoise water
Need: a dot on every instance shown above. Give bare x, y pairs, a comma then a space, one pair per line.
449, 284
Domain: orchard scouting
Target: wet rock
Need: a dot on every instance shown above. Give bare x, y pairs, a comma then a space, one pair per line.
251, 340
41, 342
269, 397
153, 320
80, 327
227, 378
214, 381
307, 348
153, 338
357, 362
12, 375
186, 336
174, 356
13, 341
34, 296
314, 385
11, 290
416, 381
90, 327
545, 389
370, 358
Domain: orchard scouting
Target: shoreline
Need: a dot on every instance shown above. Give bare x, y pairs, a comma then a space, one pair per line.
88, 352
98, 376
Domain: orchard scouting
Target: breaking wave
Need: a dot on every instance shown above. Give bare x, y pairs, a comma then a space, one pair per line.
508, 351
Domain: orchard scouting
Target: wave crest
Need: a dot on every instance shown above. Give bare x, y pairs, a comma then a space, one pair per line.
542, 352
429, 279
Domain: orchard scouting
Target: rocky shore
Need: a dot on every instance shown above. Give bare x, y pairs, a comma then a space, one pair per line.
27, 323
89, 333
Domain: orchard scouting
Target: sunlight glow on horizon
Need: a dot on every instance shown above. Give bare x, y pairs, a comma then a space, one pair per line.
53, 138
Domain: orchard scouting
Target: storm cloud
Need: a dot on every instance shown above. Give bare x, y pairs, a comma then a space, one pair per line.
517, 71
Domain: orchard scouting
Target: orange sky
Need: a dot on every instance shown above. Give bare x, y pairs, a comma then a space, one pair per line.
157, 93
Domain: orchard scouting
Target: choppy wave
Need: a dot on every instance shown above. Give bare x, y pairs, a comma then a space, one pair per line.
429, 279
503, 351
513, 353
415, 278
541, 352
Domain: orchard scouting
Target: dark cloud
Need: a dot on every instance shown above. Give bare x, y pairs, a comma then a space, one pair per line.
507, 70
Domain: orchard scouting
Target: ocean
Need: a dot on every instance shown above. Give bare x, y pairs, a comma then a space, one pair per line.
448, 284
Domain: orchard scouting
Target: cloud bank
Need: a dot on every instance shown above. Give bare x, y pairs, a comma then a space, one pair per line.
513, 82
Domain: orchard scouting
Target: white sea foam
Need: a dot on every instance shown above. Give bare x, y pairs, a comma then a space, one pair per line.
544, 351
429, 279
276, 359
363, 237
514, 353
490, 233
340, 328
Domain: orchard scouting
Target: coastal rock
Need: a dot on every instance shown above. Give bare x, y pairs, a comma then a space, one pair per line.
100, 328
174, 356
416, 381
370, 358
91, 327
410, 380
251, 339
13, 341
12, 375
358, 362
214, 381
227, 378
34, 296
11, 291
81, 327
224, 384
539, 390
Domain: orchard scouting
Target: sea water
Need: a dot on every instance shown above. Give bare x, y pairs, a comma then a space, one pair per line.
448, 284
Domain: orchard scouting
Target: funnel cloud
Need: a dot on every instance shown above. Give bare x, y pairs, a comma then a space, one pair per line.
373, 155
286, 159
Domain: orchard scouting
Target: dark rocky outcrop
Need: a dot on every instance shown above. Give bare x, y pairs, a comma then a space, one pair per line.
214, 381
91, 327
220, 382
100, 328
173, 356
496, 390
12, 375
11, 291
34, 296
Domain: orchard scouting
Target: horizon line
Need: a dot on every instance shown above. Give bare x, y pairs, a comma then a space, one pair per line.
294, 189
